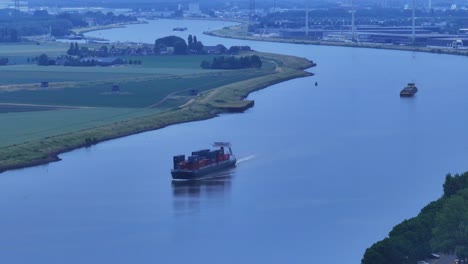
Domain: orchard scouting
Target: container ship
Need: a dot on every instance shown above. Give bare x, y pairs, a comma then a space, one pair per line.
409, 90
203, 162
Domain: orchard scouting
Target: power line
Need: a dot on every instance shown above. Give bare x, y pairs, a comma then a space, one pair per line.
252, 10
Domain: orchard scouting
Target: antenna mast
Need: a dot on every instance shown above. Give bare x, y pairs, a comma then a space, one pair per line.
307, 19
413, 31
353, 33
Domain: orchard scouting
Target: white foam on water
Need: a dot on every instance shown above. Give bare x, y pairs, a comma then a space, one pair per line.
246, 158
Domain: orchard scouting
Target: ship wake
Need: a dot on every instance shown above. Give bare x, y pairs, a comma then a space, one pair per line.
245, 159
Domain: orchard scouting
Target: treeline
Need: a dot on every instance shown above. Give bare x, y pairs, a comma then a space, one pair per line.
441, 226
192, 46
181, 47
232, 62
14, 24
177, 43
44, 60
83, 51
8, 35
3, 61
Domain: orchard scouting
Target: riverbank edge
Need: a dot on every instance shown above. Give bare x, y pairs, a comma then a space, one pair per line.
435, 50
110, 26
226, 99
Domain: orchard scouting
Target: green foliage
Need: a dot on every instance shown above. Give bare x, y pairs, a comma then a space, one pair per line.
194, 46
231, 62
91, 141
451, 225
43, 60
180, 48
406, 243
179, 44
3, 61
441, 226
190, 41
455, 183
8, 35
41, 23
74, 49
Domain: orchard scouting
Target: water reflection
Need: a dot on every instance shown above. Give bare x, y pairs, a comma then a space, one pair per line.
188, 196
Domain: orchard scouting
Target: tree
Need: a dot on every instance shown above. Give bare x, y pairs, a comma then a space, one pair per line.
190, 41
84, 52
43, 60
455, 183
3, 61
171, 41
232, 62
180, 48
104, 50
76, 49
451, 229
13, 35
222, 48
198, 46
234, 49
71, 50
256, 61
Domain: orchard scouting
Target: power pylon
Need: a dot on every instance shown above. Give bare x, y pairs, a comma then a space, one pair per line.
252, 10
17, 5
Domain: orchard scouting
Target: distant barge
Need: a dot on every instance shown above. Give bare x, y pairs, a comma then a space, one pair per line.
409, 90
203, 162
179, 29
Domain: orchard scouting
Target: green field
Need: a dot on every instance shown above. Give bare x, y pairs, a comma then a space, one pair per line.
136, 93
79, 107
29, 126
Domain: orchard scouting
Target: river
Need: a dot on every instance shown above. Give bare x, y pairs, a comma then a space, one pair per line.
323, 171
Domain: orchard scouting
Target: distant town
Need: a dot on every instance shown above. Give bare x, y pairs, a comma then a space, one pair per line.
425, 24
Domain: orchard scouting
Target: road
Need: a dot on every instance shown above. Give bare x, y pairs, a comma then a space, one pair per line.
444, 259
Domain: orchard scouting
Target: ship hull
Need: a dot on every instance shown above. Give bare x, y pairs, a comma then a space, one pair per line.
197, 174
406, 94
409, 90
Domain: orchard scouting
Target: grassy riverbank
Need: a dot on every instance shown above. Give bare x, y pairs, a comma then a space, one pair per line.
240, 32
84, 113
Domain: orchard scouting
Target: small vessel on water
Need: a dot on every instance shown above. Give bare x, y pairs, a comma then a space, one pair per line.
203, 162
179, 29
409, 90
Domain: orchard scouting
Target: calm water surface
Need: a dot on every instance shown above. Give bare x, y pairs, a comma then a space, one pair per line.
324, 171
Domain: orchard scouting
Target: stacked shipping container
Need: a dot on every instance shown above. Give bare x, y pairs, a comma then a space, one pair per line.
200, 158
